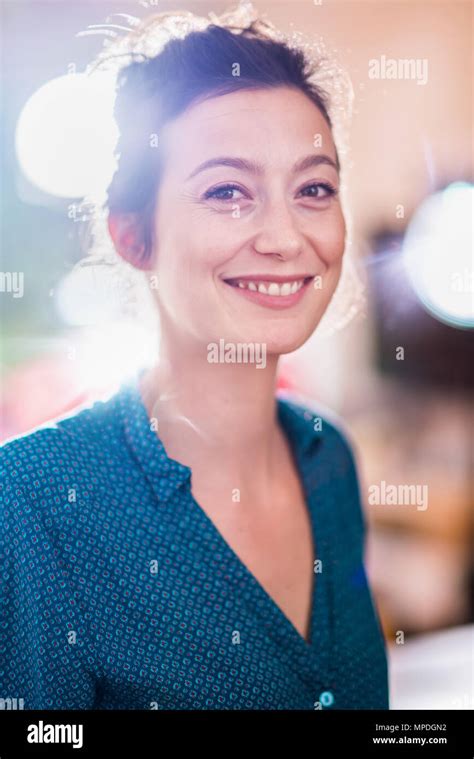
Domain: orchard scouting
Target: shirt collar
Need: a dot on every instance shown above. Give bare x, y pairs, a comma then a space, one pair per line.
165, 474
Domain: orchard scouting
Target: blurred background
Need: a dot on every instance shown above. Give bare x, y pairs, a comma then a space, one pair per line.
399, 373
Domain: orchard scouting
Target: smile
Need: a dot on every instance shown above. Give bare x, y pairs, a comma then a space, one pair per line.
268, 292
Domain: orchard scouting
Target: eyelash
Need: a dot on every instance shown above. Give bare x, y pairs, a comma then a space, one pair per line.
330, 189
210, 194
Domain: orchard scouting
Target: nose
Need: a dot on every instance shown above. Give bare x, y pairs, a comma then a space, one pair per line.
278, 233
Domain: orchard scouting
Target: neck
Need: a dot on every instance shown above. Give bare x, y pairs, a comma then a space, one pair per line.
220, 414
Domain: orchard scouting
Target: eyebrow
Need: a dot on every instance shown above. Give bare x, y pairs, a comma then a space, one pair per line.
252, 167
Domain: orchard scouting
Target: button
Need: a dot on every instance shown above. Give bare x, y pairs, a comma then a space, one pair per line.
326, 698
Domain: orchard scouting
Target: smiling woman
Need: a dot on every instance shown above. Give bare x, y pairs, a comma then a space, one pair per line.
201, 539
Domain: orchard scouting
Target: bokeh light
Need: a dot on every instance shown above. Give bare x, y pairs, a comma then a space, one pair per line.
438, 254
66, 135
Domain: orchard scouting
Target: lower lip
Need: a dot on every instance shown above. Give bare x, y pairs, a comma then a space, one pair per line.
271, 301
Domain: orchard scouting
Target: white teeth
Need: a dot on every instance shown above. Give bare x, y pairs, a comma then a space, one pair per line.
272, 288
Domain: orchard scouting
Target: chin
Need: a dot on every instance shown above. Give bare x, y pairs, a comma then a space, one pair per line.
281, 348
280, 339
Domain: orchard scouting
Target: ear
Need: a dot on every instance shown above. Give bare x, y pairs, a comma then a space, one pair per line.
130, 240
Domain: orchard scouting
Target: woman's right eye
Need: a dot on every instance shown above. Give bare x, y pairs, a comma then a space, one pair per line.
219, 193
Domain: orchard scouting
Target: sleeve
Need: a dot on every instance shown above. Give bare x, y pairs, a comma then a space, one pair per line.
45, 660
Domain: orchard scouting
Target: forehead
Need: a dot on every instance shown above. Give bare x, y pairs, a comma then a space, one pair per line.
273, 125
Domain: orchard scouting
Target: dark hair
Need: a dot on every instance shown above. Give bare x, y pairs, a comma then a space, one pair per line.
201, 65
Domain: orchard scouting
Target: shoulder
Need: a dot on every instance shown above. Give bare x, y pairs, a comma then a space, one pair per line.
329, 464
45, 466
49, 510
321, 425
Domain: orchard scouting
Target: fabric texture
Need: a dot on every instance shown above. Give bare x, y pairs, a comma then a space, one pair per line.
118, 592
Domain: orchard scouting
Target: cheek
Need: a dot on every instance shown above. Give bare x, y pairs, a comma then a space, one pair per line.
332, 238
330, 245
185, 261
192, 239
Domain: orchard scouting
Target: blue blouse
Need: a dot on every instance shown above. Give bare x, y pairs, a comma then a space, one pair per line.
118, 592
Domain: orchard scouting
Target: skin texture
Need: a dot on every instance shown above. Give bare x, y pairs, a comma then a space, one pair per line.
219, 419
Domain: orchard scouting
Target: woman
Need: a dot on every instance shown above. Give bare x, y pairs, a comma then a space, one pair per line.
196, 542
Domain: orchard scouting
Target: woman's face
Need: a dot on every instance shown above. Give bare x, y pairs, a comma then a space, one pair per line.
261, 212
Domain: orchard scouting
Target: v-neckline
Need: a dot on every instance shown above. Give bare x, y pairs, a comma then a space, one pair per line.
267, 605
318, 595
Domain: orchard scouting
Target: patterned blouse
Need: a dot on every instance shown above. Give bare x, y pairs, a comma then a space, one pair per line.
118, 592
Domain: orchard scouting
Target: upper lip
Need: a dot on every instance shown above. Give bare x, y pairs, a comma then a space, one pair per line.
270, 277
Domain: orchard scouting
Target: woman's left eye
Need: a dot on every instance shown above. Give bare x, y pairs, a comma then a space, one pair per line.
218, 193
328, 190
